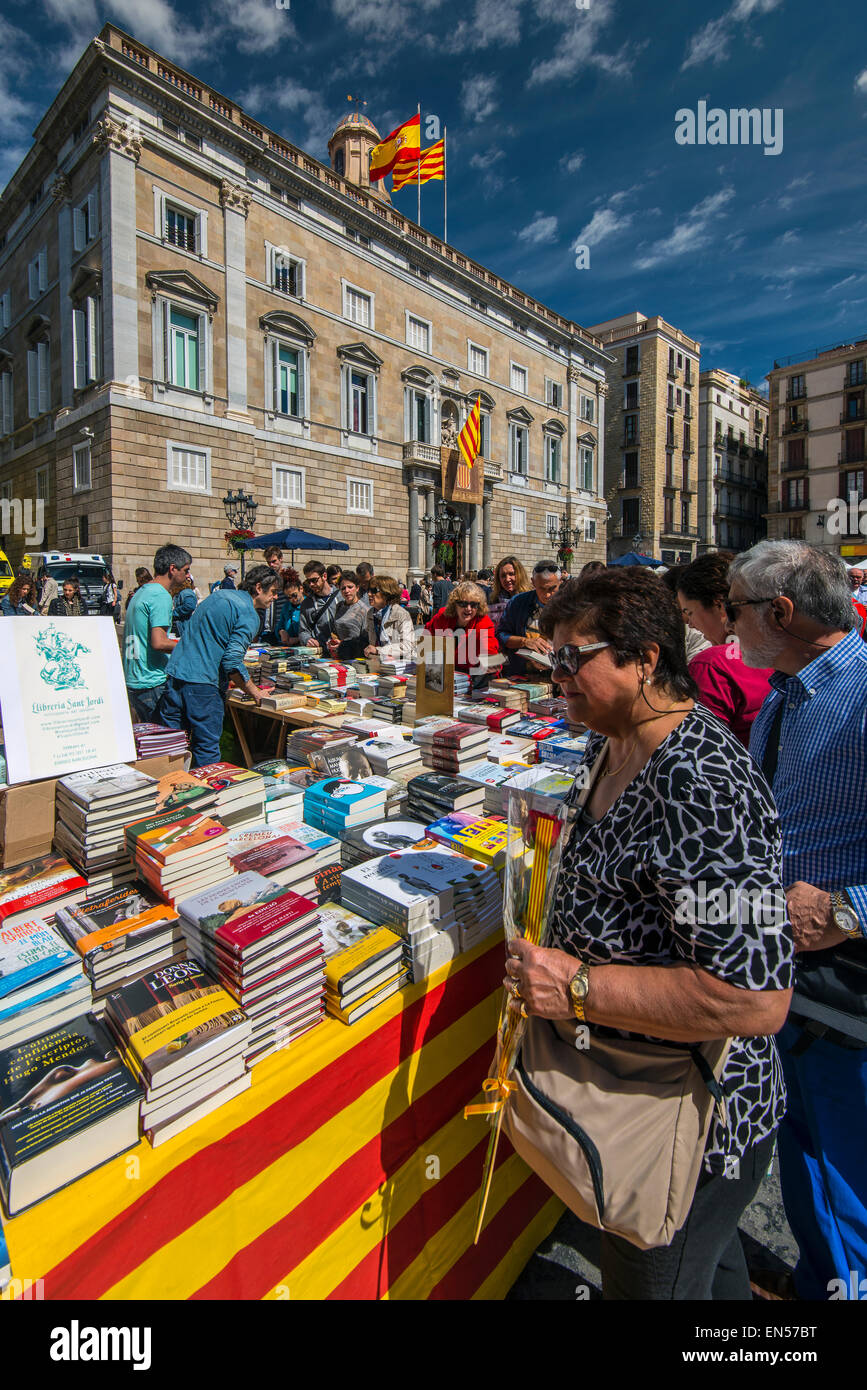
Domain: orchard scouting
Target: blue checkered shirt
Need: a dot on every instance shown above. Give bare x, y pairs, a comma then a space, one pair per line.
820, 785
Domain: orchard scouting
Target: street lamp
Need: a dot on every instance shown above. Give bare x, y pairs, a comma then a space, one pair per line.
241, 514
562, 538
443, 525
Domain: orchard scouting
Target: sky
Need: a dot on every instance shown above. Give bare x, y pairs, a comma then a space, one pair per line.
567, 127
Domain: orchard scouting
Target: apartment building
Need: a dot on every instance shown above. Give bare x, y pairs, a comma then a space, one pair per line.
817, 460
651, 437
732, 462
190, 304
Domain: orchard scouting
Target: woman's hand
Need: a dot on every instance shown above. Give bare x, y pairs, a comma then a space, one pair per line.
370, 651
542, 977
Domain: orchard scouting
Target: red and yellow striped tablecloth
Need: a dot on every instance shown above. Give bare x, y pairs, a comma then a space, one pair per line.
346, 1171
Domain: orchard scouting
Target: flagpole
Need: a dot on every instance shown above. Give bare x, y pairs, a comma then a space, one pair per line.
419, 164
445, 186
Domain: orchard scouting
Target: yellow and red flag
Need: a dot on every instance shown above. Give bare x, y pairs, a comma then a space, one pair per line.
432, 166
404, 143
468, 443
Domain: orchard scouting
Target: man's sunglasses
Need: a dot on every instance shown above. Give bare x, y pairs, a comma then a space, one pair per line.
731, 606
568, 658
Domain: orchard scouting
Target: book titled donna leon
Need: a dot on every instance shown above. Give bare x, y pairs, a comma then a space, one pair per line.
67, 1104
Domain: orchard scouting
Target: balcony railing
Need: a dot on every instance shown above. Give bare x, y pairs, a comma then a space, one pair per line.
493, 470
858, 455
735, 513
418, 451
794, 465
799, 426
691, 531
628, 482
728, 475
850, 417
787, 506
630, 442
793, 395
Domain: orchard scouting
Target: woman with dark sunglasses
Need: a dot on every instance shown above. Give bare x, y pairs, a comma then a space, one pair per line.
466, 615
733, 691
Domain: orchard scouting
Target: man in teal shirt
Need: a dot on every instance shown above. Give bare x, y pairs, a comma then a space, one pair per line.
209, 656
147, 645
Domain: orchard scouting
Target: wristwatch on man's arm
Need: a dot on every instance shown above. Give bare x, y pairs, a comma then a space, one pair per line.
845, 917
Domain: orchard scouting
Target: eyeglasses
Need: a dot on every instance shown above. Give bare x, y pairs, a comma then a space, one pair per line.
568, 658
372, 590
461, 604
731, 606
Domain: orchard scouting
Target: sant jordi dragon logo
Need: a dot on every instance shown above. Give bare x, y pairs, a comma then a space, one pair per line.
61, 670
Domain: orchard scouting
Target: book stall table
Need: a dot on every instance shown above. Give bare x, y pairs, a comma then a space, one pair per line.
266, 719
347, 1171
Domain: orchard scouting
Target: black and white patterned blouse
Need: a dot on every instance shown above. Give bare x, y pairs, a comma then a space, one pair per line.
686, 866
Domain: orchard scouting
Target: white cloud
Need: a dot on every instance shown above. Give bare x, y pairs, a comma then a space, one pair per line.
861, 82
494, 22
17, 116
578, 47
604, 223
571, 163
284, 95
541, 231
259, 26
691, 233
712, 43
484, 161
477, 98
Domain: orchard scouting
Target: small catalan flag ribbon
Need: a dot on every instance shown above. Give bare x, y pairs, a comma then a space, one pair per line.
406, 172
468, 443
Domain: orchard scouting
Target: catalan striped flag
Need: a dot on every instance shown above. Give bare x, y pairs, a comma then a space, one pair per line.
468, 443
431, 166
402, 144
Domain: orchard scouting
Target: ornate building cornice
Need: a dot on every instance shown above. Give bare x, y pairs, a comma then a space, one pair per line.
61, 189
234, 197
113, 135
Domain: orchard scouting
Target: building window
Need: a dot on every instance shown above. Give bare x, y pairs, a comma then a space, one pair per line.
287, 486
180, 224
184, 349
360, 393
358, 237
519, 450
630, 425
418, 333
479, 305
286, 273
630, 514
85, 222
797, 387
589, 529
671, 362
585, 470
553, 450
687, 404
37, 274
38, 380
87, 334
552, 522
855, 373
288, 371
519, 379
795, 492
188, 470
631, 365
630, 470
418, 271
554, 393
180, 228
669, 470
684, 514
7, 423
484, 435
632, 395
671, 397
687, 439
477, 359
588, 408
418, 415
5, 310
81, 476
357, 306
852, 483
519, 521
359, 497
83, 533
668, 515
42, 484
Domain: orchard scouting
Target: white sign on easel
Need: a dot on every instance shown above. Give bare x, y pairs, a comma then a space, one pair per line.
63, 697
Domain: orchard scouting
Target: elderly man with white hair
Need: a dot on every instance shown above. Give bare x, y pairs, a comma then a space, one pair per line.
857, 574
790, 606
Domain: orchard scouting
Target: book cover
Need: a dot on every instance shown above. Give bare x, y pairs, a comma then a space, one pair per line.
177, 1009
114, 921
240, 911
29, 952
172, 836
39, 882
182, 789
342, 796
271, 858
221, 776
114, 783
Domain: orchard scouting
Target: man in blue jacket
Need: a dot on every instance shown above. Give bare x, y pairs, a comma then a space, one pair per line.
216, 638
519, 625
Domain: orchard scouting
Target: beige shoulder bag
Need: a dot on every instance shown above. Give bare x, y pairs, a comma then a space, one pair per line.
616, 1127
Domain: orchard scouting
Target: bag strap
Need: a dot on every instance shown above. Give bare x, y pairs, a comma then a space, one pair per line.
772, 747
581, 800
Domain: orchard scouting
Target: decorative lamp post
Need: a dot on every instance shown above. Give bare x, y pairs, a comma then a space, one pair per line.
562, 540
241, 516
445, 529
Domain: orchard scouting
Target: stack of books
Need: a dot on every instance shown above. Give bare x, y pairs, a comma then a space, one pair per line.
565, 750
434, 794
493, 777
368, 686
264, 944
177, 789
156, 741
538, 729
451, 748
487, 839
550, 707
92, 809
549, 785
364, 963
283, 797
392, 710
506, 748
337, 804
326, 848
380, 837
284, 699
386, 755
184, 1037
508, 695
37, 889
358, 705
275, 661
118, 935
178, 854
365, 727
42, 984
67, 1105
270, 851
491, 713
303, 742
240, 792
333, 673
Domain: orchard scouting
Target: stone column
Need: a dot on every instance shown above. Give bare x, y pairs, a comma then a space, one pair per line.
61, 192
486, 529
236, 204
429, 539
474, 537
574, 420
413, 525
121, 147
600, 439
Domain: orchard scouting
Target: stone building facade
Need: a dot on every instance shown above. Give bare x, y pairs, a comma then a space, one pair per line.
817, 454
651, 473
732, 462
189, 304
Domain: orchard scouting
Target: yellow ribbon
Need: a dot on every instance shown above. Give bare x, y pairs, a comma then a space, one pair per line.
493, 1083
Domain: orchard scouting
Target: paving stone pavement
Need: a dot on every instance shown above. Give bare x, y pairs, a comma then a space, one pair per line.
566, 1265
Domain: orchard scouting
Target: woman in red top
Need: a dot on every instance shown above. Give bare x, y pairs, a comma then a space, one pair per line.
466, 614
731, 690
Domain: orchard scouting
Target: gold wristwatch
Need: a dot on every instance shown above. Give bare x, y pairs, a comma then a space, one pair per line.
845, 916
578, 987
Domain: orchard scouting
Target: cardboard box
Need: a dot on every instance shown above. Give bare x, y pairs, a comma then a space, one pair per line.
27, 812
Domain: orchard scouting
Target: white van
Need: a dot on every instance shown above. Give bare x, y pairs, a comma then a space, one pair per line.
88, 569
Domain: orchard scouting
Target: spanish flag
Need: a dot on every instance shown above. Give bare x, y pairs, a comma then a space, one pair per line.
402, 144
432, 167
468, 443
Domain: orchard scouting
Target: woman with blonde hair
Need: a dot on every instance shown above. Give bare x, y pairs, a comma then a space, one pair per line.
389, 626
510, 578
466, 614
